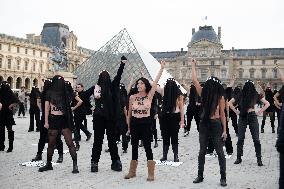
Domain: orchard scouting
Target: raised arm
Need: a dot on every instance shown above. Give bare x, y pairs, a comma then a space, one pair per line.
194, 77
131, 83
154, 84
117, 78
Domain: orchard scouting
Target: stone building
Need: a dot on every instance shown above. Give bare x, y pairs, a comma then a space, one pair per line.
206, 47
25, 62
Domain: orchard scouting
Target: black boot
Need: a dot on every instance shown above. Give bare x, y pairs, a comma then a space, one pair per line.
77, 146
116, 165
259, 162
175, 150
165, 152
11, 141
38, 157
94, 166
60, 158
223, 180
2, 138
199, 178
89, 136
238, 160
75, 166
47, 167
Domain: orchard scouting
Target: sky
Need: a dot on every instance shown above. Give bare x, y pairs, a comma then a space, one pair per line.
159, 25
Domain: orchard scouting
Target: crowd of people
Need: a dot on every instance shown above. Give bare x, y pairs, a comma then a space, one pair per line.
132, 113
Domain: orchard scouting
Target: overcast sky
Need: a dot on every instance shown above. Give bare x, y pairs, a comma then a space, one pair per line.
159, 25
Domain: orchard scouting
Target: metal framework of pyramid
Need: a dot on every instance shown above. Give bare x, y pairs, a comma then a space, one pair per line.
140, 62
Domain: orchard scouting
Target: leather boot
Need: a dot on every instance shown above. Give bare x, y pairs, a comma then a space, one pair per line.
94, 166
116, 165
175, 150
11, 141
47, 167
38, 157
199, 178
156, 144
223, 180
77, 146
132, 169
259, 161
151, 170
2, 138
75, 166
60, 158
165, 152
238, 160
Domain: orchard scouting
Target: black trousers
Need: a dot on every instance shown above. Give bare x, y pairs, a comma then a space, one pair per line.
34, 115
228, 143
193, 113
234, 119
44, 138
21, 109
154, 129
2, 134
170, 128
100, 124
141, 128
211, 130
281, 178
251, 120
78, 120
272, 119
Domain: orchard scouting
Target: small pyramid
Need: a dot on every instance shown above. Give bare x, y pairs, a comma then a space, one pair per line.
140, 62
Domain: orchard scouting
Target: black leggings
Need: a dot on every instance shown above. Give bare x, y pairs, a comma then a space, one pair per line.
44, 137
141, 128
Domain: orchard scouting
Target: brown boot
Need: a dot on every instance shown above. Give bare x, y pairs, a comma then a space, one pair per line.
132, 169
151, 170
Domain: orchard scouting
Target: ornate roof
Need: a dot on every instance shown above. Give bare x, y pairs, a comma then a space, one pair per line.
205, 33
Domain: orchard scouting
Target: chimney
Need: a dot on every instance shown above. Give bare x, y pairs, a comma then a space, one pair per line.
30, 37
219, 33
193, 31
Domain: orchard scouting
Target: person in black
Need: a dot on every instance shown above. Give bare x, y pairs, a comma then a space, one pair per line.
105, 115
58, 117
172, 118
270, 111
247, 116
34, 109
22, 98
80, 114
44, 131
154, 116
7, 102
213, 122
193, 109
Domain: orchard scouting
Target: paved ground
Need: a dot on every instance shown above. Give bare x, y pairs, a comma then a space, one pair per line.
246, 175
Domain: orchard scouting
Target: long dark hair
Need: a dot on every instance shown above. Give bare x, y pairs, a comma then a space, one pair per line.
211, 94
248, 97
269, 95
148, 86
171, 94
106, 93
56, 92
6, 93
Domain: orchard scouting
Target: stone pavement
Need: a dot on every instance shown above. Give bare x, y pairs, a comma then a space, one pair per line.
246, 175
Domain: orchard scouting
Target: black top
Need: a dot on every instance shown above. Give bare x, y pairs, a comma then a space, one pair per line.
280, 138
99, 106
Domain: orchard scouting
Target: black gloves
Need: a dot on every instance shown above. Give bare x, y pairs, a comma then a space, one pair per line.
123, 58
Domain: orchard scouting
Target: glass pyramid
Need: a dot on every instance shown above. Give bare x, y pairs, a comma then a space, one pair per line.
140, 62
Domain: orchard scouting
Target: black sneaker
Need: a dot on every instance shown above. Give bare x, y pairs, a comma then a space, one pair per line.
238, 161
89, 136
